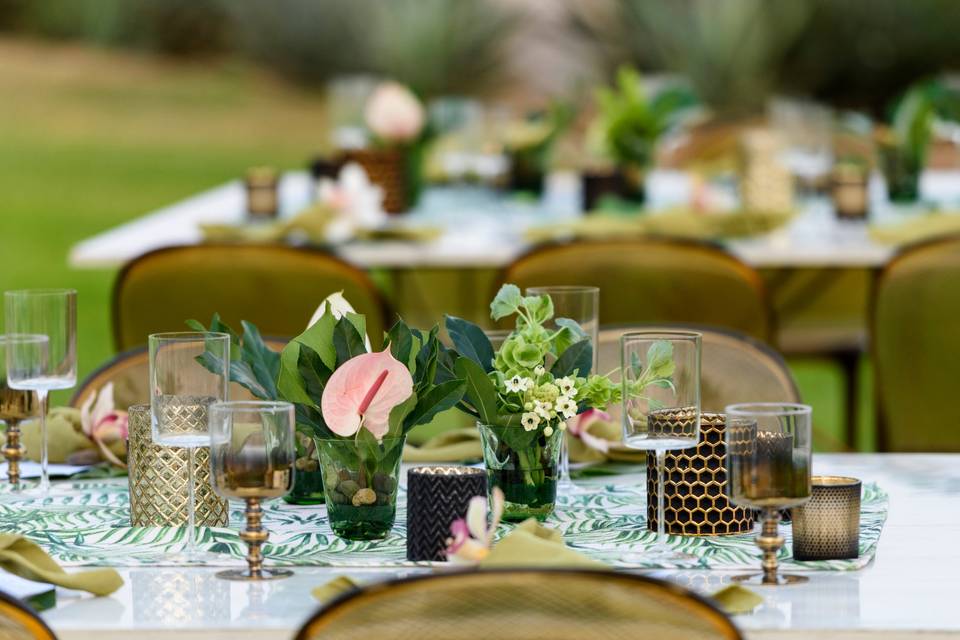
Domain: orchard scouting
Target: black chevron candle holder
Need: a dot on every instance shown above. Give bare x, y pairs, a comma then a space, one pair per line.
436, 497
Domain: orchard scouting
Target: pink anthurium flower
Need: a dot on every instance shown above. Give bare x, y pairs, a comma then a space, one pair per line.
580, 428
470, 538
102, 423
363, 391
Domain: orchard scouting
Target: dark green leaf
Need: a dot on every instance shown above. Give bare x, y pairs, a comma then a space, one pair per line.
439, 398
470, 341
291, 385
319, 337
576, 359
479, 390
401, 340
242, 374
313, 373
347, 341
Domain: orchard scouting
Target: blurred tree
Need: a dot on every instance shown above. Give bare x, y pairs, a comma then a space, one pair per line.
857, 53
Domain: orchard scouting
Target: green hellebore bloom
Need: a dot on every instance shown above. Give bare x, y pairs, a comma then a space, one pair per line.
516, 355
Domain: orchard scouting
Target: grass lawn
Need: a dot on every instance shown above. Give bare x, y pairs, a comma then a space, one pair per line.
91, 138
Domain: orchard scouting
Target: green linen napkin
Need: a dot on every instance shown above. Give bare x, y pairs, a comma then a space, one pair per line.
531, 544
456, 445
27, 560
736, 599
64, 435
679, 223
917, 229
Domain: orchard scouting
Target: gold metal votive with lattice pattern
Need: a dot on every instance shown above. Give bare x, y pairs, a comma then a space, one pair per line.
695, 480
387, 169
827, 527
158, 477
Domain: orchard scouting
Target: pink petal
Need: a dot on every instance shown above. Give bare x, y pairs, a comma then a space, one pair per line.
459, 534
363, 391
581, 423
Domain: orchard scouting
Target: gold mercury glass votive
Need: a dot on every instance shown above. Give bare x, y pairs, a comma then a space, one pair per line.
828, 526
158, 477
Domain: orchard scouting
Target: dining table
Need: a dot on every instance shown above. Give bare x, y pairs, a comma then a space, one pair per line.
907, 588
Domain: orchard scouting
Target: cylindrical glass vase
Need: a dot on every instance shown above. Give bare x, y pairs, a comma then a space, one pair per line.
308, 478
525, 467
360, 484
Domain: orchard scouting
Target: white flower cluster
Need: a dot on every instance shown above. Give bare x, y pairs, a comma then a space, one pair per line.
545, 404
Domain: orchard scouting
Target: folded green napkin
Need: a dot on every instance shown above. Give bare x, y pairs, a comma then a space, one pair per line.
735, 599
65, 436
311, 224
456, 445
25, 559
531, 544
678, 223
917, 229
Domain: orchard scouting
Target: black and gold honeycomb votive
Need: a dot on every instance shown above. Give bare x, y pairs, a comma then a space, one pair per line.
695, 480
436, 497
827, 527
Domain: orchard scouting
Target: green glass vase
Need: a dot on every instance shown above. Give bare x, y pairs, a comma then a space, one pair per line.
525, 467
361, 484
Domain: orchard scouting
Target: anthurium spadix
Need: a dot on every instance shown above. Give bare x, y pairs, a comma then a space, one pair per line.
362, 392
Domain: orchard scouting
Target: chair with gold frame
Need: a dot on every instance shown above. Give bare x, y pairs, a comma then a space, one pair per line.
276, 287
654, 280
916, 304
521, 604
19, 622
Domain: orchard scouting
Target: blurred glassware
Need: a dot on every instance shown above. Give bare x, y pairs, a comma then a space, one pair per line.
43, 355
252, 456
15, 405
806, 128
660, 373
346, 97
582, 305
181, 392
768, 468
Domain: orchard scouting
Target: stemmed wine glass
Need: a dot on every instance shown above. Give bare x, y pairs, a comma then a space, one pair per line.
42, 355
768, 468
188, 373
15, 405
660, 374
582, 305
252, 458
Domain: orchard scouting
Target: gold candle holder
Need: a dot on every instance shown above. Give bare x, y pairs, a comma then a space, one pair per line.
158, 479
13, 451
828, 526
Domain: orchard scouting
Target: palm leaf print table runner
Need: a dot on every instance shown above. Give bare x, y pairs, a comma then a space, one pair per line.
91, 527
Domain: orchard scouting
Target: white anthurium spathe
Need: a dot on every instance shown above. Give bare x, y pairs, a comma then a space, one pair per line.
339, 307
355, 202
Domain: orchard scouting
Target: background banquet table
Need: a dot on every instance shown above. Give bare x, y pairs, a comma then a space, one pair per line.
480, 233
909, 589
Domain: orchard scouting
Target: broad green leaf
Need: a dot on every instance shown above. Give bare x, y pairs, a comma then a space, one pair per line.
319, 337
470, 341
398, 416
479, 390
506, 302
577, 359
401, 340
565, 338
347, 341
313, 373
359, 323
439, 398
242, 374
291, 385
572, 325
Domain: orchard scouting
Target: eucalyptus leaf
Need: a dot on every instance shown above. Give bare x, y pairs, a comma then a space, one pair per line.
506, 302
470, 341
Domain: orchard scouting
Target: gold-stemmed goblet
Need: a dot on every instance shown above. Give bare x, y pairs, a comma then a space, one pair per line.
16, 405
768, 468
252, 456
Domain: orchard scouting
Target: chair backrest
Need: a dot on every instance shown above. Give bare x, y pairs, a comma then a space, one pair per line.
19, 622
916, 305
276, 287
130, 371
654, 280
733, 367
562, 604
